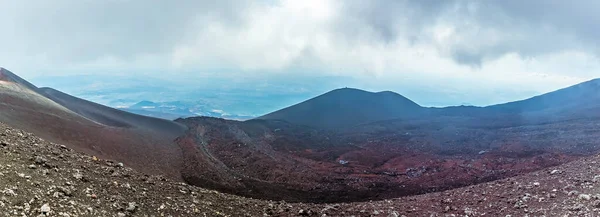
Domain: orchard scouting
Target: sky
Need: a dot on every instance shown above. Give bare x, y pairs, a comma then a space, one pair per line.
436, 52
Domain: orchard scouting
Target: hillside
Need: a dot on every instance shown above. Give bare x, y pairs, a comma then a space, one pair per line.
421, 149
8, 76
347, 107
347, 145
38, 177
575, 97
114, 117
142, 142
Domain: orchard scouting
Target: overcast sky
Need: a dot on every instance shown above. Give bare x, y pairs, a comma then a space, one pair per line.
478, 52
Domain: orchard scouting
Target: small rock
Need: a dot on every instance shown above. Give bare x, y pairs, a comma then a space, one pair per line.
553, 172
120, 165
520, 205
469, 211
78, 176
39, 160
131, 207
304, 212
585, 197
576, 207
596, 204
65, 191
32, 166
9, 192
121, 214
45, 209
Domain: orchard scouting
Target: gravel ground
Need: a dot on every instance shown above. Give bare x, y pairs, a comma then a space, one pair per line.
38, 178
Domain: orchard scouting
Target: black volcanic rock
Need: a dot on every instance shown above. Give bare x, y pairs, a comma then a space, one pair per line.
347, 107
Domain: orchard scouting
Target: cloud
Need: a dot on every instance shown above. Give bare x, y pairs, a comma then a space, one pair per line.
496, 50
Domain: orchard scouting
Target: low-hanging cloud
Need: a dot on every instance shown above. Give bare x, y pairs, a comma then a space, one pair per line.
535, 45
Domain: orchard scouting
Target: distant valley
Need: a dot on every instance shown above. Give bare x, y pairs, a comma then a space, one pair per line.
232, 98
181, 109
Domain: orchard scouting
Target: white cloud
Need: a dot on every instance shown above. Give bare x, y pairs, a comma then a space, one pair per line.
488, 51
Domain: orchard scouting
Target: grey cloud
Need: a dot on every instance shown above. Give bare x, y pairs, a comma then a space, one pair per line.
72, 31
529, 28
390, 19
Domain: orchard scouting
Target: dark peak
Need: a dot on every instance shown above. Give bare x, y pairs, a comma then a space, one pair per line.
348, 90
4, 75
592, 82
352, 95
347, 107
8, 76
389, 93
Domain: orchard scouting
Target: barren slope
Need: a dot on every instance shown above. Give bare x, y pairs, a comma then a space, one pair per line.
278, 160
36, 174
8, 76
114, 117
144, 148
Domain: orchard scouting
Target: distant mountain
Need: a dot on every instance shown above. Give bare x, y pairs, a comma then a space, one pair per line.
347, 107
344, 108
580, 96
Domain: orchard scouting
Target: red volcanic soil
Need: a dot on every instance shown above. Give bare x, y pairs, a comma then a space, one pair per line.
281, 161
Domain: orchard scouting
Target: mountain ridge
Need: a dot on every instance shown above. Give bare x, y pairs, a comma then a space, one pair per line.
8, 76
352, 152
143, 142
346, 107
314, 112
